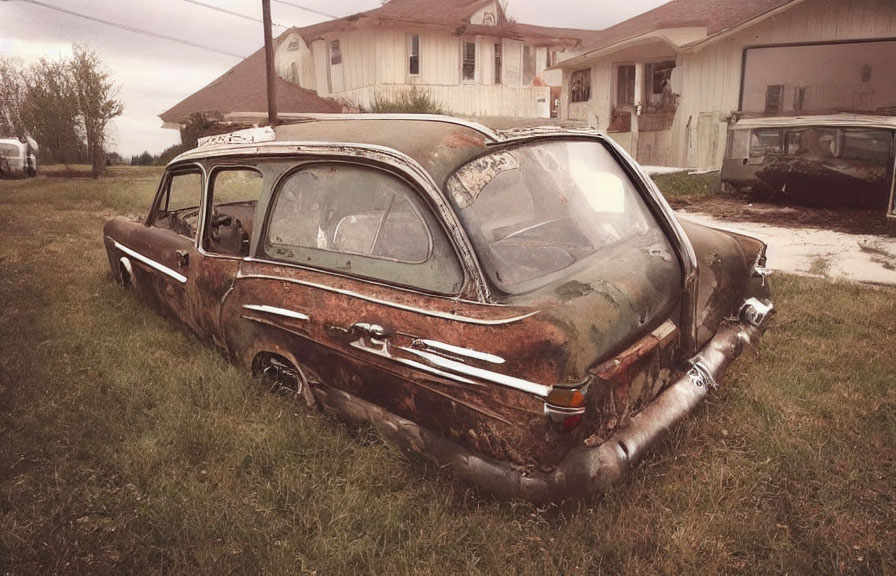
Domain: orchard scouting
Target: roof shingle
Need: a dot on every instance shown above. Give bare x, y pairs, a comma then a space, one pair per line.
715, 15
243, 88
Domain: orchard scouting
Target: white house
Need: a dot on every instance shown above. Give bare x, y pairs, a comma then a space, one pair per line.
665, 84
465, 53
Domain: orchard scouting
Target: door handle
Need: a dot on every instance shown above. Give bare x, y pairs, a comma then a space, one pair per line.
371, 330
362, 328
183, 258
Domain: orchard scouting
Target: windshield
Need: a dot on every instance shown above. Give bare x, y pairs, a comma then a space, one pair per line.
539, 208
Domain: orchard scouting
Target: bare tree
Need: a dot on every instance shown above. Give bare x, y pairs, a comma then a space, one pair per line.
97, 98
12, 92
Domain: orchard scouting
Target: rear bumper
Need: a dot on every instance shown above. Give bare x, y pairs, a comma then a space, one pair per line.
584, 469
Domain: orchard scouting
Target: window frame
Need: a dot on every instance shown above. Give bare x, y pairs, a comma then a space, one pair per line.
163, 195
586, 86
411, 37
210, 203
499, 62
334, 50
442, 251
618, 85
464, 43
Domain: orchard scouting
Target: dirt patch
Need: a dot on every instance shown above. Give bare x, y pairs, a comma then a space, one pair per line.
739, 209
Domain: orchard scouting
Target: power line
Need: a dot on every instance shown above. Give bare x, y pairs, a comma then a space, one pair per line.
232, 13
305, 8
132, 29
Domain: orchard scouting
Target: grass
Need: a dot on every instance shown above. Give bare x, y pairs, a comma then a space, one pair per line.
682, 187
128, 446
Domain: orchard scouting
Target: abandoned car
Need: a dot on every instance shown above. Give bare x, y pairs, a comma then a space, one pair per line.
843, 160
18, 157
522, 304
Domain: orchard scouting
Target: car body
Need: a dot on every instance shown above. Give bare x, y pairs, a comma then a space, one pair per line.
519, 304
819, 160
18, 158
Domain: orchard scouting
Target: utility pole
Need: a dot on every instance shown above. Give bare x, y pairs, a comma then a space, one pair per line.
269, 61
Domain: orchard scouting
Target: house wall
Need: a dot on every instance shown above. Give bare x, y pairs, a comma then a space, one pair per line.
294, 61
708, 79
467, 99
375, 62
711, 77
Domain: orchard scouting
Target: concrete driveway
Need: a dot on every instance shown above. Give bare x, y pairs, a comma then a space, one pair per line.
815, 252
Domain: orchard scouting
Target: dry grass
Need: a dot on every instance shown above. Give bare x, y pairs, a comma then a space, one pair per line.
130, 447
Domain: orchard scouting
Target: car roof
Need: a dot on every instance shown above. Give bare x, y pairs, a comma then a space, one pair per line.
831, 120
440, 144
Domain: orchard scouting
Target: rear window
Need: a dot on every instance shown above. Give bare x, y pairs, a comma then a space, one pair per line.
537, 209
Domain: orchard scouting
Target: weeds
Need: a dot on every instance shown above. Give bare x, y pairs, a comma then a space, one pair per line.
131, 447
413, 101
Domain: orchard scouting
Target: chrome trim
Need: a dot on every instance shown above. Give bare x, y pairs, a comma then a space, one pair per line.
755, 312
494, 377
700, 375
278, 311
151, 263
383, 352
762, 273
467, 352
436, 371
443, 315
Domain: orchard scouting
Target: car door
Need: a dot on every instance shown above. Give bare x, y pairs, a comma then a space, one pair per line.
232, 195
355, 282
158, 253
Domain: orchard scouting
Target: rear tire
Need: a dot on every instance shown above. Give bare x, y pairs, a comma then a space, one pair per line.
282, 376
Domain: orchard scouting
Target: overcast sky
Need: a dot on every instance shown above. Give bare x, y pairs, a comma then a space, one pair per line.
156, 73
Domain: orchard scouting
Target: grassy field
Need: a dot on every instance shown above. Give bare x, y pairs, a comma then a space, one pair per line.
128, 446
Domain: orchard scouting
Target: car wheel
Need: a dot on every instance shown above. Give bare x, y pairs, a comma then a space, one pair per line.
282, 376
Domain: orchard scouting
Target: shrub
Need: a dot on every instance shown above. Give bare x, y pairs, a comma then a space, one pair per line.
413, 101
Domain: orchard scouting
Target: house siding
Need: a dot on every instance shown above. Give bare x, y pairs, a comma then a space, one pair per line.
383, 71
712, 77
708, 79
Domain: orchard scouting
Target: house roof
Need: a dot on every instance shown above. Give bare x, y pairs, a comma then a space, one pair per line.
244, 88
715, 15
451, 14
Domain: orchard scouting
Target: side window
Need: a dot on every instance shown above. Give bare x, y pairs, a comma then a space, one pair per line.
233, 195
178, 204
358, 219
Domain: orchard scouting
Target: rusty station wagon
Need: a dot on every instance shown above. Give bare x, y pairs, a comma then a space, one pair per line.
519, 304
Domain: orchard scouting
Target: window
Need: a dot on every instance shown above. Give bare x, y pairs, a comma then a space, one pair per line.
335, 53
413, 54
360, 220
580, 86
234, 193
774, 98
625, 85
178, 205
528, 65
536, 209
658, 75
469, 61
498, 56
766, 141
799, 97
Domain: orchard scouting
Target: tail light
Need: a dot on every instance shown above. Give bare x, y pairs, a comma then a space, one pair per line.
565, 404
